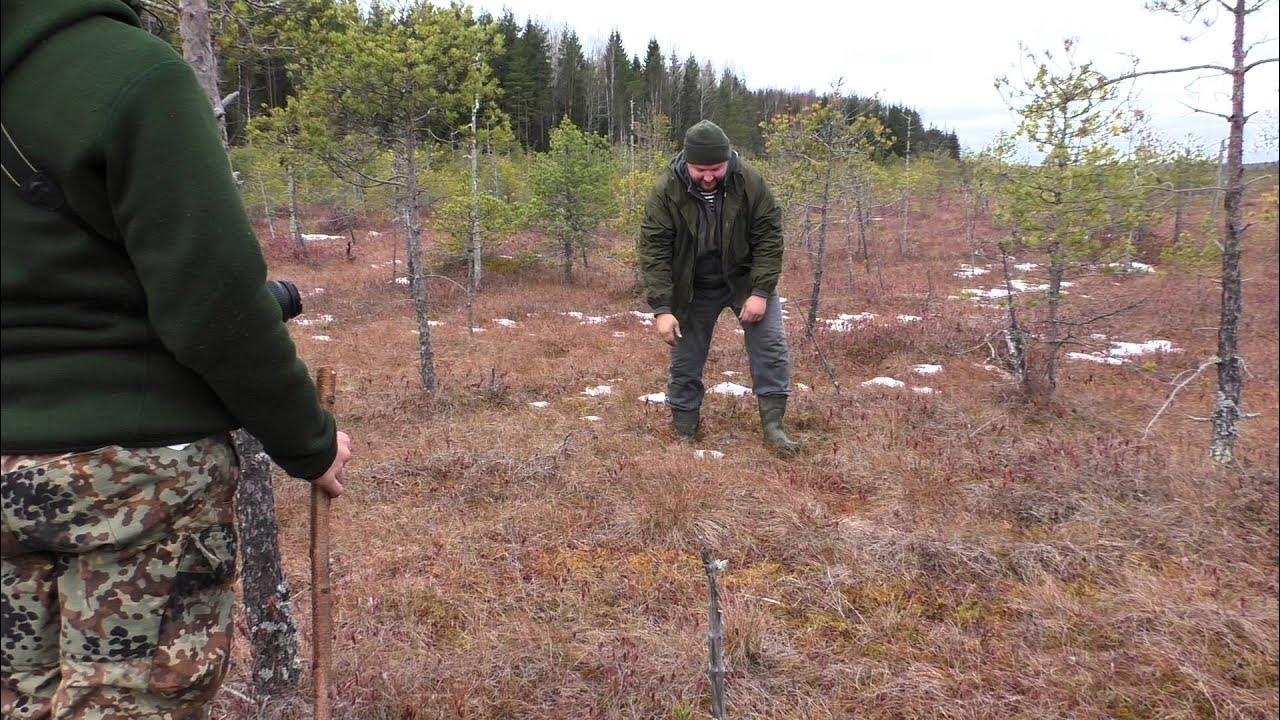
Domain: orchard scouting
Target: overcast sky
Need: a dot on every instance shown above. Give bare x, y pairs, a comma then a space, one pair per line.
939, 56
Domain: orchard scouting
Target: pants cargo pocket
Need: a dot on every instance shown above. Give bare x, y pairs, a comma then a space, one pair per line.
194, 643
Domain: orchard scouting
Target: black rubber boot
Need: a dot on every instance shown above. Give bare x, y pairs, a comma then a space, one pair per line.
772, 411
686, 424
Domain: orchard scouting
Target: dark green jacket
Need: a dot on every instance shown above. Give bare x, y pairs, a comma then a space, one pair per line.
751, 238
157, 329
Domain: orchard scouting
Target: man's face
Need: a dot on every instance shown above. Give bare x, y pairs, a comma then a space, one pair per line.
708, 177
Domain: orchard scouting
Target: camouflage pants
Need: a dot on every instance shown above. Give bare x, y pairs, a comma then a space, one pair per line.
118, 581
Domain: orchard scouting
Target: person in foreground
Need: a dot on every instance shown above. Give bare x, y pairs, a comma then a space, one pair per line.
711, 239
136, 331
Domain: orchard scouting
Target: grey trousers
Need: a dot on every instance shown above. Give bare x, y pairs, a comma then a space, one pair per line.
766, 342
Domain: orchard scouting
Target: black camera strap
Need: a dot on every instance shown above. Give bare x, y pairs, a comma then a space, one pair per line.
34, 186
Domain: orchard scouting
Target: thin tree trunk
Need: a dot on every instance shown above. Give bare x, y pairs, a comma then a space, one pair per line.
970, 221
716, 670
906, 195
1226, 411
1057, 272
197, 50
1177, 215
864, 217
266, 209
273, 635
477, 257
417, 282
1015, 338
820, 261
295, 226
850, 250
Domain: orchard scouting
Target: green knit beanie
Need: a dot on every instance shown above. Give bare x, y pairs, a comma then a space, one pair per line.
705, 144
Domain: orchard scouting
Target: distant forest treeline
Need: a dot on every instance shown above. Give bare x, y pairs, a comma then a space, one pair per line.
545, 75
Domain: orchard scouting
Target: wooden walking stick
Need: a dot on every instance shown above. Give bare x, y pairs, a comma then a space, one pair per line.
321, 592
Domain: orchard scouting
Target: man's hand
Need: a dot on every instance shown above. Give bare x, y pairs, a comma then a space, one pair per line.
753, 309
668, 328
331, 480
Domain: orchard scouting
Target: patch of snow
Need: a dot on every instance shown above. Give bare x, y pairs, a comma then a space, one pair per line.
540, 404
654, 398
373, 233
619, 334
477, 329
708, 454
506, 322
970, 271
316, 237
1132, 266
923, 390
1021, 286
598, 390
909, 318
1096, 358
313, 292
802, 387
592, 418
883, 382
1126, 349
926, 369
1097, 336
979, 294
321, 338
574, 314
845, 322
317, 320
1027, 267
402, 281
434, 323
642, 315
730, 373
728, 388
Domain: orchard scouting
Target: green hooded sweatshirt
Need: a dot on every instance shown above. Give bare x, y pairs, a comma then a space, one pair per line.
157, 329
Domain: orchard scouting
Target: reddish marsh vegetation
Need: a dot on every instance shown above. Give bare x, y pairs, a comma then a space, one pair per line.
960, 554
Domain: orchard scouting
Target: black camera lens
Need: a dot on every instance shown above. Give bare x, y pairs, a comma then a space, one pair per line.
286, 293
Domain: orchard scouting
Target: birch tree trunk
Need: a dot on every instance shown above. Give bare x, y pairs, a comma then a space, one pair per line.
295, 225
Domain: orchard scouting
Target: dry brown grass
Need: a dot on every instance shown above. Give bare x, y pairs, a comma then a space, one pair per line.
957, 555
